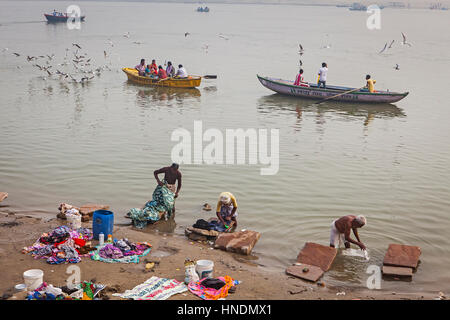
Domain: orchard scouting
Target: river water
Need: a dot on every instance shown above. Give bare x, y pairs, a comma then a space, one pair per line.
99, 142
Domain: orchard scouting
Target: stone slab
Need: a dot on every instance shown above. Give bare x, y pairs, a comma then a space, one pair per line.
399, 255
397, 271
313, 273
209, 233
240, 242
3, 196
88, 209
317, 255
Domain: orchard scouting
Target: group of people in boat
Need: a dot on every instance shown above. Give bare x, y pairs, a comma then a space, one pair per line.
322, 79
158, 72
58, 14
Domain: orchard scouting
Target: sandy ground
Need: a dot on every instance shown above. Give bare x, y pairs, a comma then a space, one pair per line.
169, 253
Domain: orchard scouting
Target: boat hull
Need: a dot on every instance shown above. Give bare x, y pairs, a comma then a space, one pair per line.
52, 18
133, 76
313, 92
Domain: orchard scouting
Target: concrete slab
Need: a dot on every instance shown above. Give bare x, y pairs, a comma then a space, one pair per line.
305, 271
3, 196
240, 242
317, 255
399, 255
397, 271
209, 233
88, 209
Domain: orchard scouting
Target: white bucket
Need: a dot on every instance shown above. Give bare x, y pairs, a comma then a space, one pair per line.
33, 278
204, 268
74, 221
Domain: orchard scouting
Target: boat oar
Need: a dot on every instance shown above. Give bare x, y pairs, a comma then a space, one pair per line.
340, 94
210, 76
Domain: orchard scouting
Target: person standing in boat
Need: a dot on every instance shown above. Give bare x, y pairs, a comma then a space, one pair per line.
370, 83
141, 68
170, 70
323, 75
299, 80
181, 72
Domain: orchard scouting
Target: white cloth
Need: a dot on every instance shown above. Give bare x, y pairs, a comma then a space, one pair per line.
323, 73
336, 238
182, 73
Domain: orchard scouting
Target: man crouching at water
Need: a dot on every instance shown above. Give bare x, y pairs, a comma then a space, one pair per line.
340, 231
171, 175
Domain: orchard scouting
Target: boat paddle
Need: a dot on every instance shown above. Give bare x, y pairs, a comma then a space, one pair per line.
340, 94
210, 76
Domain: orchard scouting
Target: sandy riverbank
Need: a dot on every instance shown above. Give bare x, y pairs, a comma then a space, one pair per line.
170, 251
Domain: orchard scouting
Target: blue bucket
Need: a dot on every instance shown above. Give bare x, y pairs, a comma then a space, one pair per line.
102, 222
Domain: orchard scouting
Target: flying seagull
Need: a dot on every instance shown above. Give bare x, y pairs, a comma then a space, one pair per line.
300, 62
404, 42
385, 46
186, 34
223, 37
390, 46
396, 67
300, 52
16, 54
127, 35
76, 45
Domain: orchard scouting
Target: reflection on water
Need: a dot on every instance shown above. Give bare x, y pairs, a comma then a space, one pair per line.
368, 112
146, 96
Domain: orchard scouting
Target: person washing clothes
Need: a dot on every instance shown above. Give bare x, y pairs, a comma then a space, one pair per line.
340, 231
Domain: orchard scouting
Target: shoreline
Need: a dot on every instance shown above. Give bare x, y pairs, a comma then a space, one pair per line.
169, 252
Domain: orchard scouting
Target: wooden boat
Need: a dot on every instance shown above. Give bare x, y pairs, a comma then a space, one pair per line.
190, 82
287, 87
59, 18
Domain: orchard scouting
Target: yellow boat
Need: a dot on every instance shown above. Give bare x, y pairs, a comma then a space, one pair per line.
190, 82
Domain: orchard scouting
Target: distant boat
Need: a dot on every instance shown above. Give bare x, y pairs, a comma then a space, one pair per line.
201, 9
59, 17
358, 7
287, 87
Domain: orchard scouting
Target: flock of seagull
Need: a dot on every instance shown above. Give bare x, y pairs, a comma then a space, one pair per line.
386, 47
80, 62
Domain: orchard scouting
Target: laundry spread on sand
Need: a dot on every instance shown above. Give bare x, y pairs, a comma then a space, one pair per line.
154, 288
61, 245
200, 289
83, 291
163, 201
122, 251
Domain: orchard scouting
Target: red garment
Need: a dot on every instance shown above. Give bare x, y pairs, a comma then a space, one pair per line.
154, 68
162, 74
298, 80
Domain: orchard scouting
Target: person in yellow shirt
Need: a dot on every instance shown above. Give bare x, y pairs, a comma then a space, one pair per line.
370, 83
226, 210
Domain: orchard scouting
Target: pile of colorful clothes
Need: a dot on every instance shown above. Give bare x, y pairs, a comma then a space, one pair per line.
62, 245
83, 291
121, 251
213, 289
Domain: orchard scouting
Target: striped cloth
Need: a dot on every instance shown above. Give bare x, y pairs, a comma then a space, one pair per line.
154, 288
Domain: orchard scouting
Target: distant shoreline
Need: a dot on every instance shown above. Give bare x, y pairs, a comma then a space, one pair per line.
424, 5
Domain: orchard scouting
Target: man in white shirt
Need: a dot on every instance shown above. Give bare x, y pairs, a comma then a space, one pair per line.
323, 75
181, 72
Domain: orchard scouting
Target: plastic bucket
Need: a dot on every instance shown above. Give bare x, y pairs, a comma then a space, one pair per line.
102, 221
33, 278
204, 268
74, 221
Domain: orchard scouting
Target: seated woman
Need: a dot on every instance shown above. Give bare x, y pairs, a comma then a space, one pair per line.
299, 80
162, 73
226, 213
170, 70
